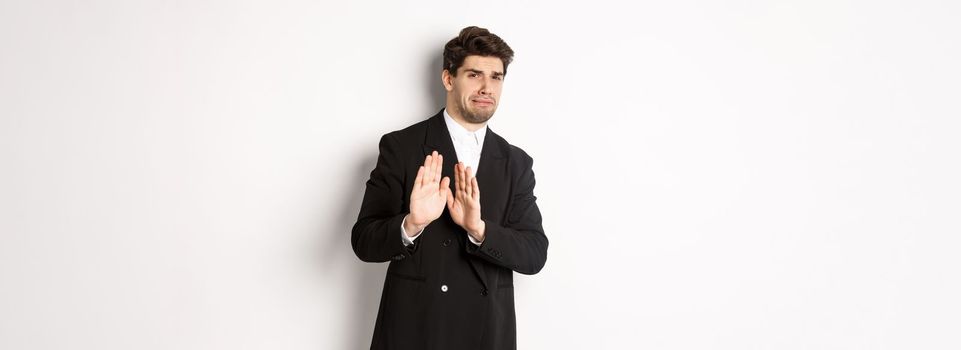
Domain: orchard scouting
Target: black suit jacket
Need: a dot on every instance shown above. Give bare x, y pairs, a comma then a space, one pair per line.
477, 309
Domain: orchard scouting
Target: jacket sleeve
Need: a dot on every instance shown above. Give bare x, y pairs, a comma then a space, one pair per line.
376, 237
520, 244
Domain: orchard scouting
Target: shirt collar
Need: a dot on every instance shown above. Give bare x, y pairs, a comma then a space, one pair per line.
459, 134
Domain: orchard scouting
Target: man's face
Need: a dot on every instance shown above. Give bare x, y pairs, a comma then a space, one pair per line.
475, 91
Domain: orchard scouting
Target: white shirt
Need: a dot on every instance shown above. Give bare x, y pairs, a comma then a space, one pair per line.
467, 145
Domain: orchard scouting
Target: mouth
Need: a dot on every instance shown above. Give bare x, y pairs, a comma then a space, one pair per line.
483, 102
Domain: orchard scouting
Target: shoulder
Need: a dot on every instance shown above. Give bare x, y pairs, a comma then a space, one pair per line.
408, 139
518, 157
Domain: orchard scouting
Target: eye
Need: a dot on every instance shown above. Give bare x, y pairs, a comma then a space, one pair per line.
472, 75
498, 77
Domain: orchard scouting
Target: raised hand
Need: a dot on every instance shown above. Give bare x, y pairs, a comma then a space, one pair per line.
429, 194
465, 208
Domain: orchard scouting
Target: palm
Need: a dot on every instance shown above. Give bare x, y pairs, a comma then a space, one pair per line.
430, 193
463, 211
465, 208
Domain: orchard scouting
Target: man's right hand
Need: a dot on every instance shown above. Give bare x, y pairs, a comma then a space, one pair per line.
429, 196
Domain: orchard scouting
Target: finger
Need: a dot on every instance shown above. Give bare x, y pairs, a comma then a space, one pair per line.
462, 186
427, 172
467, 184
419, 178
444, 185
450, 200
476, 188
433, 168
440, 167
430, 168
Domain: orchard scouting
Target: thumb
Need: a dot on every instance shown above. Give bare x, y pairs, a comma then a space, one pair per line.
450, 199
445, 184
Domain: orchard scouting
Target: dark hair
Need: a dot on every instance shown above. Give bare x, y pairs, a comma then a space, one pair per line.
475, 41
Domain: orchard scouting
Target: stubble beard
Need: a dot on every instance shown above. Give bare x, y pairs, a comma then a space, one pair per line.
473, 117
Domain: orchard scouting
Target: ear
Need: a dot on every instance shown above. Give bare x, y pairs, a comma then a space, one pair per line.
448, 80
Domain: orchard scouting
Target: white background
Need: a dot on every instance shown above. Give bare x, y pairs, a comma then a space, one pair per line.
712, 175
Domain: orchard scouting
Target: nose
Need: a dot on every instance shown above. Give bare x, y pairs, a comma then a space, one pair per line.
484, 87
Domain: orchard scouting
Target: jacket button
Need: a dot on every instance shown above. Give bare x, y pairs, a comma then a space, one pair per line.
447, 242
443, 288
484, 292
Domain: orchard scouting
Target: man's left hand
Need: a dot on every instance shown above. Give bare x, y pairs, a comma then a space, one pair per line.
464, 204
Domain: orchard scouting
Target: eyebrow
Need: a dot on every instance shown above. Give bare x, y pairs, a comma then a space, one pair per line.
482, 72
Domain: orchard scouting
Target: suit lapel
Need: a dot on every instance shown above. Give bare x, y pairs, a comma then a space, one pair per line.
438, 139
491, 174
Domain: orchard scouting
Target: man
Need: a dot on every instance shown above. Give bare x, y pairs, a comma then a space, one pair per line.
452, 250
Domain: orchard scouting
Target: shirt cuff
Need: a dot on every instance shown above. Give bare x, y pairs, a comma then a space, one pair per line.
471, 238
403, 234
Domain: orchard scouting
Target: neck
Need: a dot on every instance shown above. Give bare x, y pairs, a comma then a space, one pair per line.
455, 114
